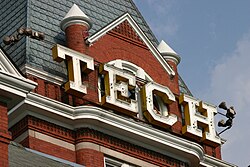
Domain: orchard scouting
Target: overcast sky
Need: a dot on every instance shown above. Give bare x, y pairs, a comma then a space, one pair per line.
213, 40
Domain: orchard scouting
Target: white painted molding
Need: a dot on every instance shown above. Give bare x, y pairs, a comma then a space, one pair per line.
13, 86
26, 69
20, 84
85, 116
82, 116
210, 161
6, 65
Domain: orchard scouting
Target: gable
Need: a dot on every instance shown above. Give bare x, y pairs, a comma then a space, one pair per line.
126, 26
6, 66
13, 86
125, 30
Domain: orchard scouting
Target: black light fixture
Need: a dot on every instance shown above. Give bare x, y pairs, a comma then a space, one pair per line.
230, 114
7, 40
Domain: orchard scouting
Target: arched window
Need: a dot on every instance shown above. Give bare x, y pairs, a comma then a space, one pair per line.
132, 68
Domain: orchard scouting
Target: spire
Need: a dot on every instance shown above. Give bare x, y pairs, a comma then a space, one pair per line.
168, 53
75, 16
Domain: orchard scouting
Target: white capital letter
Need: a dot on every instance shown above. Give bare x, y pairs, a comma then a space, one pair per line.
77, 63
163, 97
119, 89
199, 120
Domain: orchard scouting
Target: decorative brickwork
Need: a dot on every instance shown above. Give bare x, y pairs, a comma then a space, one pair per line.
109, 48
85, 135
215, 152
44, 127
90, 135
126, 32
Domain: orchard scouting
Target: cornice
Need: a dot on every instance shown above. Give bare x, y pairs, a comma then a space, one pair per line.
13, 89
28, 70
210, 161
109, 122
76, 117
18, 83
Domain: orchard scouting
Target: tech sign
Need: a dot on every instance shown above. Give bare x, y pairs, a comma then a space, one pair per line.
119, 90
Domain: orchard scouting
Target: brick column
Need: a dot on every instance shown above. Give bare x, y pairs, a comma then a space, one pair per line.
5, 136
76, 25
173, 60
90, 158
75, 37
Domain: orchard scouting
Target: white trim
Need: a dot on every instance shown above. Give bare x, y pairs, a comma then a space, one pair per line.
210, 161
94, 117
26, 69
141, 34
13, 86
10, 76
136, 70
115, 123
7, 66
17, 83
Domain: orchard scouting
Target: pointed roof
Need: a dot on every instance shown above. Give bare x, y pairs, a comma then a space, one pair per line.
167, 52
75, 16
163, 47
46, 16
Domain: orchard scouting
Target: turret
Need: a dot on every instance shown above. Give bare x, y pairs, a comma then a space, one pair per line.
76, 26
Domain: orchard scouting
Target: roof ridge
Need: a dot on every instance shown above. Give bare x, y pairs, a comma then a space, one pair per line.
144, 22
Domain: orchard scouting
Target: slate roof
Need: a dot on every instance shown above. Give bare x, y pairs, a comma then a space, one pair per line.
45, 16
20, 156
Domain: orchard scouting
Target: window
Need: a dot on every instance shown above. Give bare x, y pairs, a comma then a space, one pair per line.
108, 162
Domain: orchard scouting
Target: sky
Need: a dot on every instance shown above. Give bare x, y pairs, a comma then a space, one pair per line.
213, 41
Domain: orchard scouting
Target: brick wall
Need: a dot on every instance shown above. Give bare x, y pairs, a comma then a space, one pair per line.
117, 44
49, 148
84, 156
90, 157
5, 137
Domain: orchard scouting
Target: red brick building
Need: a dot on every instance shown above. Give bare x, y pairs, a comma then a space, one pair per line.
118, 104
